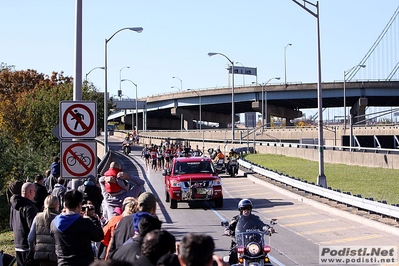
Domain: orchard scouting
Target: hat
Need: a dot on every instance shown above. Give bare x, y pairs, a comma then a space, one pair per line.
147, 199
118, 210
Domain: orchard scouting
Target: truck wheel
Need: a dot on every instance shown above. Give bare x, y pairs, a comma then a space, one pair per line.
167, 197
219, 203
173, 204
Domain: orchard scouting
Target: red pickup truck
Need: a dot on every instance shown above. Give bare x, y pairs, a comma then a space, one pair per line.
192, 179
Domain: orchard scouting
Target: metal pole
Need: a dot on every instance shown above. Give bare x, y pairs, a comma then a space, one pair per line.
232, 93
77, 81
263, 118
138, 30
200, 114
344, 100
351, 132
120, 81
321, 179
92, 70
232, 103
105, 100
137, 114
285, 64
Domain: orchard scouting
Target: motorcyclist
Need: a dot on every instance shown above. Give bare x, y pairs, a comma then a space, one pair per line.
125, 142
245, 208
219, 155
232, 154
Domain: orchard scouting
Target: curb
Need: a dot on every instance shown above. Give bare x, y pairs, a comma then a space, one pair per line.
353, 217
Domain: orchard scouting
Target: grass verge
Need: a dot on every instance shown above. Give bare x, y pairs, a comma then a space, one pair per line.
376, 183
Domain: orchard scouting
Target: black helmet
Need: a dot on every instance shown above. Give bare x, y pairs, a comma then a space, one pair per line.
244, 203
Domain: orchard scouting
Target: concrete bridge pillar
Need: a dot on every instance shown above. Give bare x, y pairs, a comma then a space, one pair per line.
359, 109
189, 116
272, 110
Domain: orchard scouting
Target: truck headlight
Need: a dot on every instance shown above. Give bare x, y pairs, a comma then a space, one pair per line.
175, 183
217, 182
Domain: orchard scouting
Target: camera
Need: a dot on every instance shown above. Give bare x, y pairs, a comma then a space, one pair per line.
88, 208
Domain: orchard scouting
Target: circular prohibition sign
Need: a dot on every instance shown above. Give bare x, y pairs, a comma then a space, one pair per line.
87, 168
86, 128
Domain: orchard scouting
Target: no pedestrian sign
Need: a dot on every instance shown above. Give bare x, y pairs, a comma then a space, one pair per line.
79, 159
78, 119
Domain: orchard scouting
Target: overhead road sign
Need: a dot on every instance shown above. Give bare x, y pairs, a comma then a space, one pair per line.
244, 70
78, 119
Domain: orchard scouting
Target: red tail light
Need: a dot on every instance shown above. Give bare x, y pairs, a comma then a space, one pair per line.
240, 250
267, 249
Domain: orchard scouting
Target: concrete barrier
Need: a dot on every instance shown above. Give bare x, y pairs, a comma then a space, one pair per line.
215, 138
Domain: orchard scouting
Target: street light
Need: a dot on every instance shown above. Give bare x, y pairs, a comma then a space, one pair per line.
243, 76
120, 82
200, 117
321, 178
232, 93
285, 64
92, 70
263, 97
174, 87
138, 30
181, 82
137, 116
345, 73
200, 111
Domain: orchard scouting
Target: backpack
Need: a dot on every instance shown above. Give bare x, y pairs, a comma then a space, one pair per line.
59, 192
6, 259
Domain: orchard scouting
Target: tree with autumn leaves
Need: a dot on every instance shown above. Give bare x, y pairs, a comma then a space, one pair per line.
29, 111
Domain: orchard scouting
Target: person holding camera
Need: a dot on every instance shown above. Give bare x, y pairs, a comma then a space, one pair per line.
74, 230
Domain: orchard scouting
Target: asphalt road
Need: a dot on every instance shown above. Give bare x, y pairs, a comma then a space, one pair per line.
303, 224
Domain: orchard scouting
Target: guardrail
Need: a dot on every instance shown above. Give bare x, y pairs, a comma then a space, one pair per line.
356, 201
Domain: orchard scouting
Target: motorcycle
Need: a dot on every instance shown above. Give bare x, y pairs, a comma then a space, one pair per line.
220, 166
126, 147
232, 166
250, 245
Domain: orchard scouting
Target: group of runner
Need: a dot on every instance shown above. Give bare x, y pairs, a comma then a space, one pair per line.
159, 157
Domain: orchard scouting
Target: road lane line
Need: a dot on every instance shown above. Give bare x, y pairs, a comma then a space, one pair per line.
309, 222
325, 230
297, 215
351, 239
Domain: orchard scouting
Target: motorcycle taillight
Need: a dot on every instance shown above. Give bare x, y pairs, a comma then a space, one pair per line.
267, 249
240, 250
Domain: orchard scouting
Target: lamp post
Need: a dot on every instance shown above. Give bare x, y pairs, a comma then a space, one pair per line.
263, 99
174, 87
321, 178
232, 93
200, 107
181, 83
92, 70
120, 82
285, 64
346, 73
137, 116
138, 30
243, 76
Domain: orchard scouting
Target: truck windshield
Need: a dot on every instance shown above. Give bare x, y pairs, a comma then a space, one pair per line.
193, 168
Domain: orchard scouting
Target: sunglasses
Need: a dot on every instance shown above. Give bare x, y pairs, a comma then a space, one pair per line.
246, 208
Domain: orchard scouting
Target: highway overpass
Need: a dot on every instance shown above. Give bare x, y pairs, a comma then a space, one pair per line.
172, 110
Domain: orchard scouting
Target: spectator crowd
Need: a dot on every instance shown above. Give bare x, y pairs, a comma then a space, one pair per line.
106, 220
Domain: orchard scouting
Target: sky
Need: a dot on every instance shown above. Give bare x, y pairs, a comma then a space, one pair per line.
178, 34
